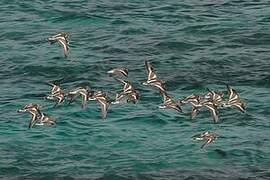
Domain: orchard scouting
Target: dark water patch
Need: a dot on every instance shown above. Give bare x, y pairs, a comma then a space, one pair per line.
207, 42
15, 35
27, 96
221, 153
133, 31
72, 16
175, 46
208, 29
67, 72
254, 39
101, 47
265, 19
264, 81
199, 174
113, 50
165, 7
120, 22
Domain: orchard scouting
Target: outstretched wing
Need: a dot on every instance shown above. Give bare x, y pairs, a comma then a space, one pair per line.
215, 95
240, 106
211, 138
120, 98
32, 122
84, 100
48, 120
176, 107
123, 71
166, 97
159, 84
213, 109
194, 112
64, 43
55, 87
206, 143
151, 72
127, 85
104, 104
233, 95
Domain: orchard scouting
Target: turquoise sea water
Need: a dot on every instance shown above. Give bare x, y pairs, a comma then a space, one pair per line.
193, 45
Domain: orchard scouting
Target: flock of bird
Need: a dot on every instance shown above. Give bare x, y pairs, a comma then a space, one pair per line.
211, 100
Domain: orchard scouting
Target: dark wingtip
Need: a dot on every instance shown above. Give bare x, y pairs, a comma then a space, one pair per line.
126, 71
243, 110
49, 83
208, 89
202, 147
146, 63
55, 82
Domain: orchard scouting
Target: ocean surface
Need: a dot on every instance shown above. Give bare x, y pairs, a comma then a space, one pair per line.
193, 45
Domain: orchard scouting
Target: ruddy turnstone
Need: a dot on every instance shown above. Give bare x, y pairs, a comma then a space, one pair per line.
128, 94
38, 118
128, 87
33, 109
152, 79
133, 96
121, 71
195, 101
169, 103
55, 87
200, 101
44, 119
214, 96
122, 97
56, 94
234, 100
84, 92
62, 38
103, 100
207, 136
